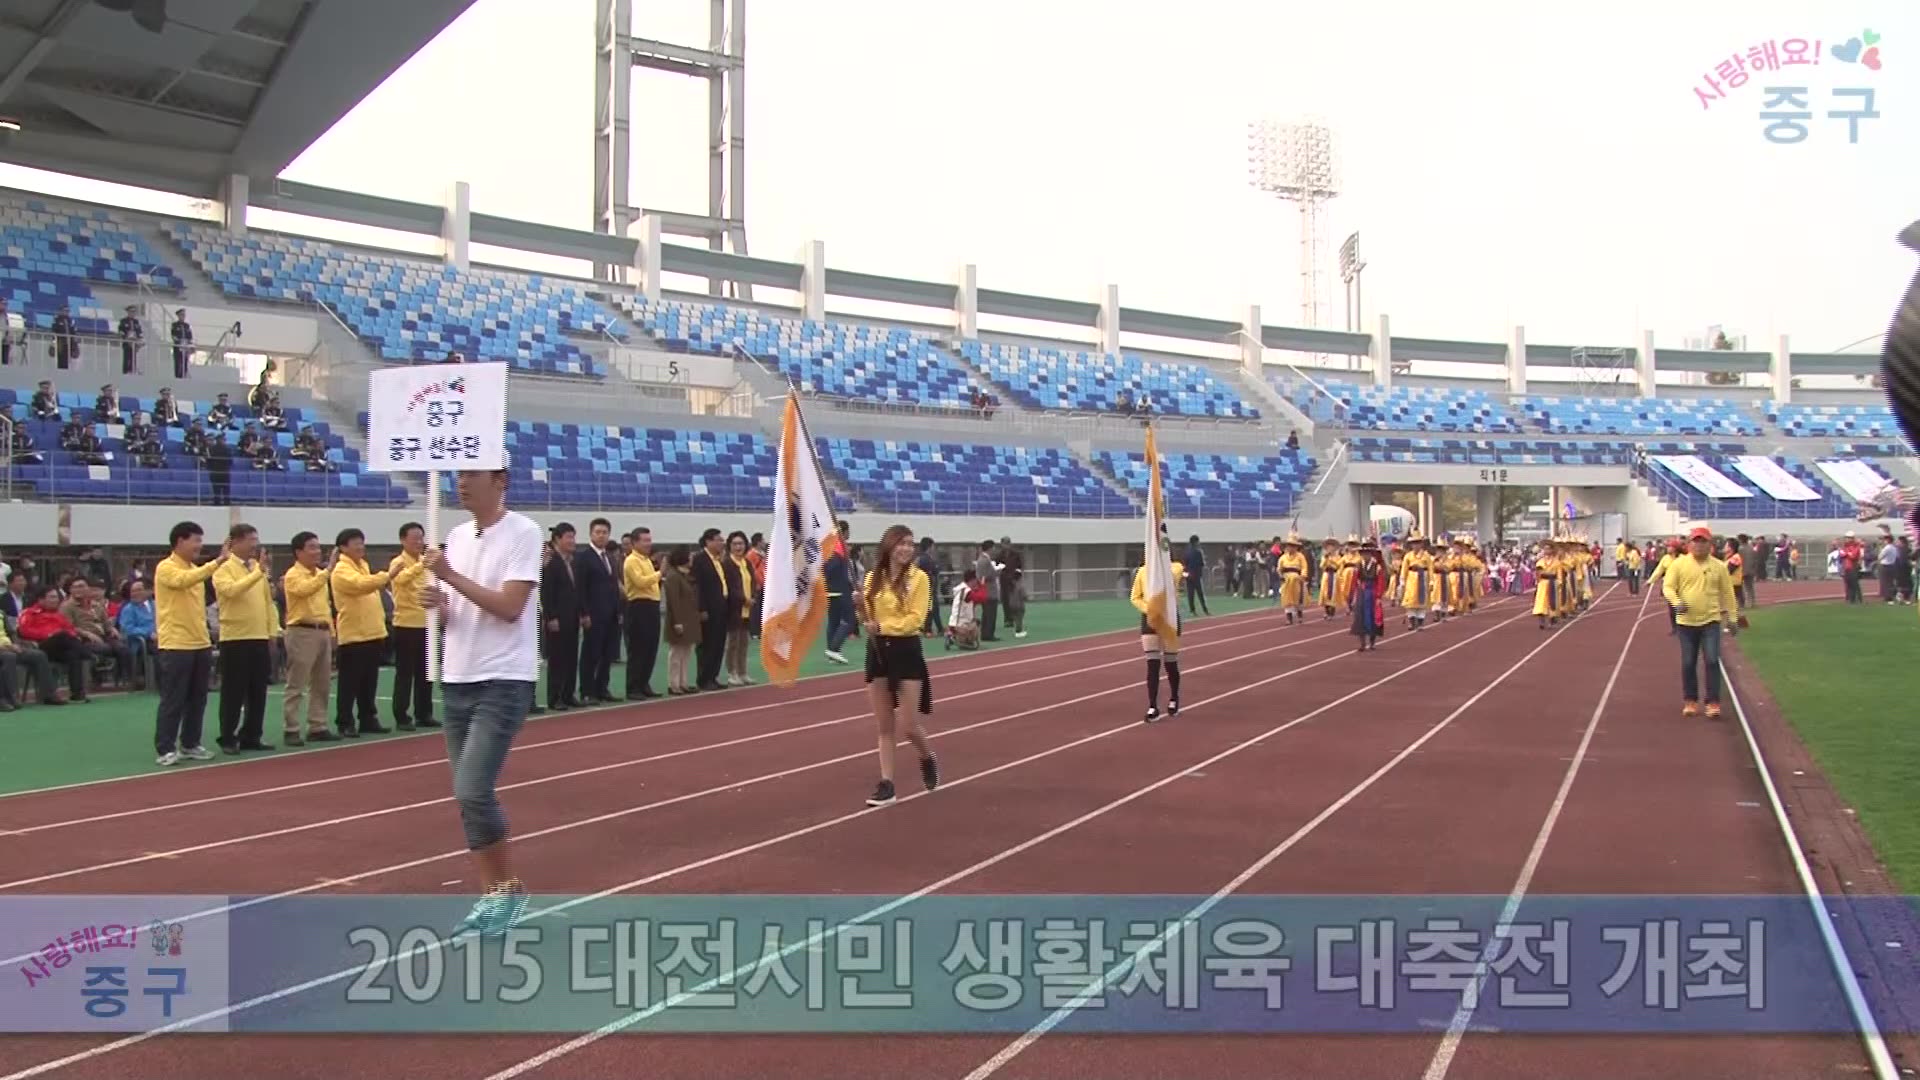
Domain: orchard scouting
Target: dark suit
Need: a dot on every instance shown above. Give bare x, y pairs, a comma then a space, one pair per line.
598, 573
712, 650
560, 606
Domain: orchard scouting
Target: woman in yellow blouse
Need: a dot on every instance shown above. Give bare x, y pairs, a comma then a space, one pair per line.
894, 604
1547, 590
1159, 657
739, 610
1419, 583
1293, 579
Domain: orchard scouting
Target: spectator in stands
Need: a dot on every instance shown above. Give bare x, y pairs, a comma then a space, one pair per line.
86, 609
219, 466
16, 655
987, 569
182, 344
361, 633
45, 628
6, 334
1013, 586
272, 416
196, 441
598, 575
20, 442
1123, 403
248, 624
739, 607
681, 624
258, 449
640, 587
1293, 440
307, 447
131, 335
1195, 561
560, 606
78, 438
258, 397
710, 577
412, 692
220, 417
45, 404
454, 356
66, 345
15, 601
135, 622
143, 443
106, 406
166, 411
1852, 564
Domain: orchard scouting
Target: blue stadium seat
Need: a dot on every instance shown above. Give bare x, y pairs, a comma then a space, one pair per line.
48, 258
409, 310
964, 478
1400, 408
1489, 451
1218, 485
1084, 381
1638, 416
1832, 505
894, 365
1834, 421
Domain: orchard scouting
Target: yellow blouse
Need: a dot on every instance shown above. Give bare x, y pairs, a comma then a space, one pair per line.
897, 616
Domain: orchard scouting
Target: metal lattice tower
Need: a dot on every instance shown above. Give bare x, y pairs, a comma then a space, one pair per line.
1604, 372
723, 64
1296, 163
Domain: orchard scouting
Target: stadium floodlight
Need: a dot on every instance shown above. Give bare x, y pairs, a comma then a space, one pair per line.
1295, 162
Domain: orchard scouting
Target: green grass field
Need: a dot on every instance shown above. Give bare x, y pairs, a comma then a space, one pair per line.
1846, 678
113, 736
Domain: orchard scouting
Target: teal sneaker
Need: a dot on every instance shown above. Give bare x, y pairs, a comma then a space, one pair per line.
500, 910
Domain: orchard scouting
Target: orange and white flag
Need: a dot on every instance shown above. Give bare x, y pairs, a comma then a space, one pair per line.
803, 529
1163, 601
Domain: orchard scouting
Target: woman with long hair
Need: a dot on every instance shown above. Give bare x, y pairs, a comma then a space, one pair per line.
740, 606
893, 606
1160, 657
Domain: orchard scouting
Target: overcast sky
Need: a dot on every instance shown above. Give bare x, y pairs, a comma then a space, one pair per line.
1501, 165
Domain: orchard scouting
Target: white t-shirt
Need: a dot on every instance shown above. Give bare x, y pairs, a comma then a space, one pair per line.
479, 647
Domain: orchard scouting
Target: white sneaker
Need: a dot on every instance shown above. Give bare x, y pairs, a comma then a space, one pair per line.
835, 657
197, 753
1019, 633
168, 758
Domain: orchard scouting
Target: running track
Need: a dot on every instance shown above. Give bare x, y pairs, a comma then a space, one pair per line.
1482, 756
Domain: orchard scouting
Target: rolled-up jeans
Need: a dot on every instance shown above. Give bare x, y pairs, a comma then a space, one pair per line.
482, 719
1698, 645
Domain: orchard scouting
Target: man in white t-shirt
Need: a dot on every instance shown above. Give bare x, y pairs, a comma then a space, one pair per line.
488, 578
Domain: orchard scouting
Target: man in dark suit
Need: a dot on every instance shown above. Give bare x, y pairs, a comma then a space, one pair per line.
560, 605
597, 569
711, 584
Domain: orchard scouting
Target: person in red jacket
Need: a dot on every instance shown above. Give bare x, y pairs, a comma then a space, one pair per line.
1852, 557
42, 626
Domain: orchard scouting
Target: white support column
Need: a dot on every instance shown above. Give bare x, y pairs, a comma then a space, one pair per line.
966, 303
1781, 371
233, 204
1644, 365
1517, 361
1253, 351
1486, 507
1109, 321
646, 255
813, 280
457, 227
1381, 354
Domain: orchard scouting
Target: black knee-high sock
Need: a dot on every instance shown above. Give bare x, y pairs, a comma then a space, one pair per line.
1173, 679
1153, 682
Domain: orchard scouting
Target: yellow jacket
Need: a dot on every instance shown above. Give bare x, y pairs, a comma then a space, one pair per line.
307, 599
1700, 591
408, 576
180, 604
639, 578
246, 602
1140, 584
356, 597
1293, 562
897, 616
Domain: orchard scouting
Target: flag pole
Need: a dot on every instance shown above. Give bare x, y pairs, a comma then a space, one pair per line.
820, 474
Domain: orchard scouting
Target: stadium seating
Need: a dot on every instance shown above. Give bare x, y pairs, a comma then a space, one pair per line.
1833, 421
1218, 485
409, 310
895, 366
47, 259
1400, 408
593, 465
1692, 503
1083, 381
1637, 416
1489, 452
1871, 449
956, 478
182, 481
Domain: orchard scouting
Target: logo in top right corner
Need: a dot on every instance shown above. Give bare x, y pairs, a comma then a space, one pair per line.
1786, 110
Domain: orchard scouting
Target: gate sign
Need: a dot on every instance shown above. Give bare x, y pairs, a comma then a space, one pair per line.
435, 417
1705, 479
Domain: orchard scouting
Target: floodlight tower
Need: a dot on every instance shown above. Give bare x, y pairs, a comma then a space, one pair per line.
1296, 163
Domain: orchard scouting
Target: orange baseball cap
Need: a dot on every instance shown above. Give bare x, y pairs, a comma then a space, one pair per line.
1701, 533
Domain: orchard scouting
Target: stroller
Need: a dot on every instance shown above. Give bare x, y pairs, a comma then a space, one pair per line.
963, 623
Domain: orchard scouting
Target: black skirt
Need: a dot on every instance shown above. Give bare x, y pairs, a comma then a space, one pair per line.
1179, 624
898, 660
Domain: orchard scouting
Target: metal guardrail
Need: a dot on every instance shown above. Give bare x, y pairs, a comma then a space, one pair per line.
34, 353
1826, 508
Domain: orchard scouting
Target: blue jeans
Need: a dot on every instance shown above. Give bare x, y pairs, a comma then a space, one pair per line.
1700, 643
482, 718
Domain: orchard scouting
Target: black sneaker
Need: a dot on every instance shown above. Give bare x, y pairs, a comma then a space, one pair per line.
882, 794
930, 772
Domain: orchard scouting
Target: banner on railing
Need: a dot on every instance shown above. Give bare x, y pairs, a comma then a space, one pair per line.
1769, 477
1857, 478
1706, 479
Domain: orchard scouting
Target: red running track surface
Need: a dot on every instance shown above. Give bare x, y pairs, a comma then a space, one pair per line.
1296, 766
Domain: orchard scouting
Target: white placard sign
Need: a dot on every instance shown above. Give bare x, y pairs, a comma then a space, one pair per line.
1767, 474
1857, 478
437, 417
1704, 477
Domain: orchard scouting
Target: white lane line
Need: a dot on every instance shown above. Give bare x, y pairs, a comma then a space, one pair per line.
1470, 998
331, 822
440, 760
812, 942
1015, 1048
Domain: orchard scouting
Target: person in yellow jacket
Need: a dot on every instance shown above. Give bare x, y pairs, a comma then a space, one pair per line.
1159, 656
183, 648
1627, 565
1547, 587
1329, 573
1349, 568
1699, 589
640, 584
412, 692
1673, 551
249, 623
1569, 562
360, 629
1461, 583
1443, 580
1419, 581
1476, 575
1293, 579
309, 644
1584, 557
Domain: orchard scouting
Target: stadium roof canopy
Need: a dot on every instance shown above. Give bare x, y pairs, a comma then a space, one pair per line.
224, 87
